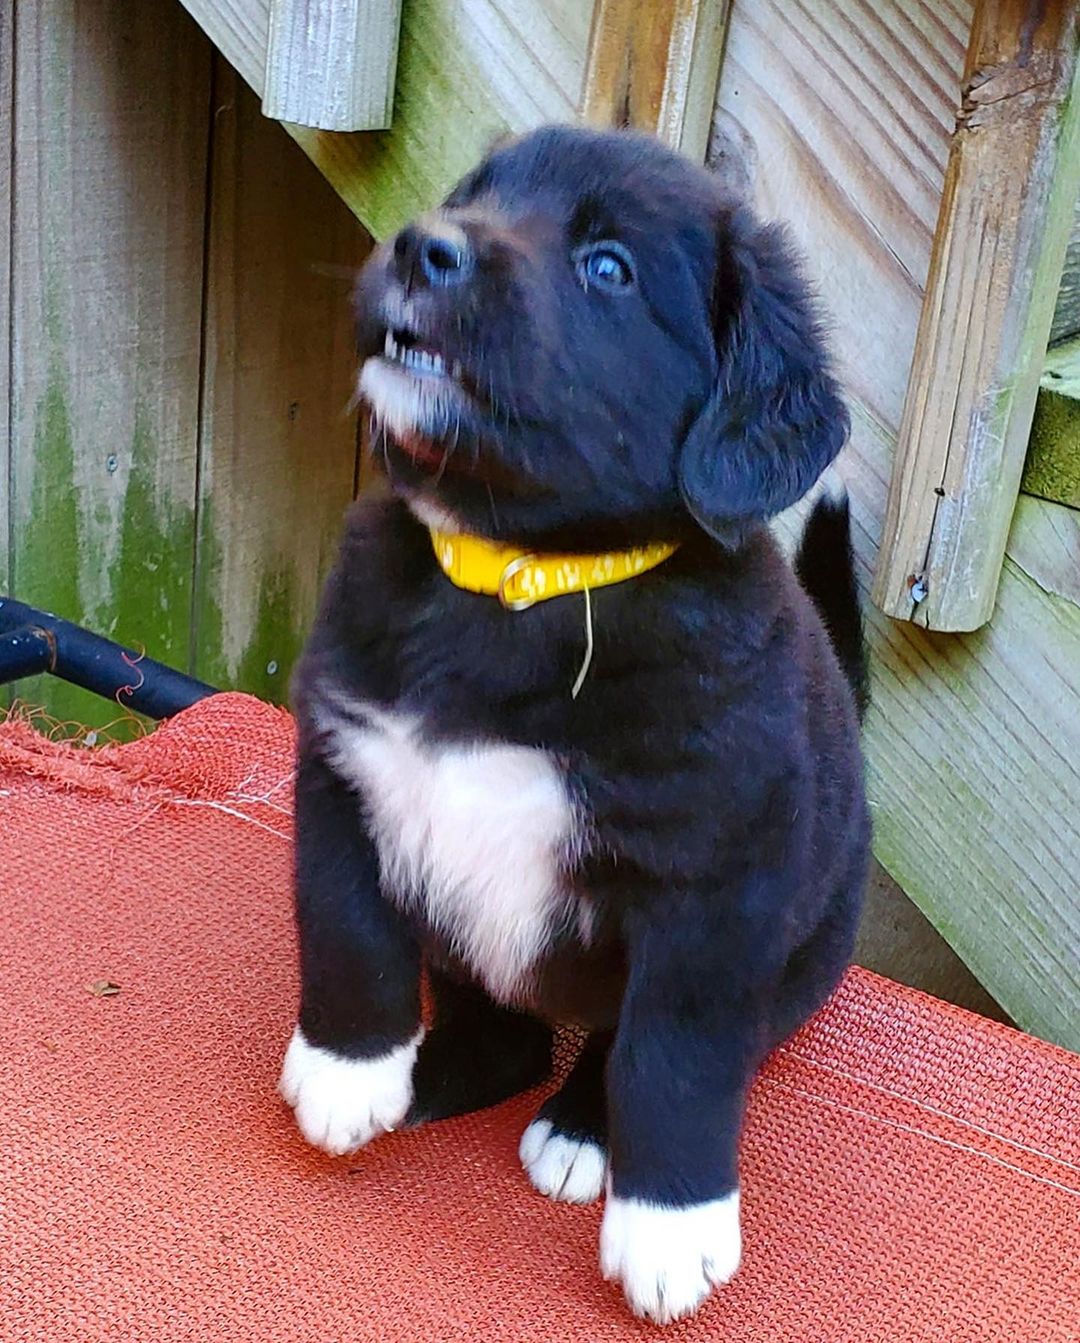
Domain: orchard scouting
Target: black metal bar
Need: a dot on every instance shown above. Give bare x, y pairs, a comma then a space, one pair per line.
24, 652
91, 661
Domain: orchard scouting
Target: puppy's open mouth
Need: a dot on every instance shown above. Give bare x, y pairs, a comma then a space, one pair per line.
406, 350
413, 388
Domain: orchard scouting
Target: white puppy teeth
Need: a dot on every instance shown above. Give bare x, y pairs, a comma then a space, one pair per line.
416, 358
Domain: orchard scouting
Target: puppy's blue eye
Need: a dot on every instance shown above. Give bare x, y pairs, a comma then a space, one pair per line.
605, 265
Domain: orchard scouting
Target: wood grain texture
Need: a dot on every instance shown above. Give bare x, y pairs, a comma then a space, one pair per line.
1066, 321
332, 66
108, 220
278, 445
1052, 468
973, 741
468, 71
1045, 543
897, 940
1006, 209
655, 67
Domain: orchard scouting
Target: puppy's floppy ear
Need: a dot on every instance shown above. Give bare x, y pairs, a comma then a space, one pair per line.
775, 418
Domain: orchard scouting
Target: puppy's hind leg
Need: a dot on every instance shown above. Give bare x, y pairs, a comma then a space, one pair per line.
564, 1149
477, 1054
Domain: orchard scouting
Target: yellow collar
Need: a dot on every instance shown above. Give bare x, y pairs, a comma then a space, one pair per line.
520, 579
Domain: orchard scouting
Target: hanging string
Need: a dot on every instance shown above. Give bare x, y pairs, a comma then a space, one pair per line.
588, 648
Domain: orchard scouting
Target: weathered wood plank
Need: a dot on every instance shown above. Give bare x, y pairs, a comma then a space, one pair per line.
974, 768
332, 66
655, 67
278, 449
1006, 210
468, 71
973, 741
108, 207
1052, 469
896, 939
1066, 321
1045, 543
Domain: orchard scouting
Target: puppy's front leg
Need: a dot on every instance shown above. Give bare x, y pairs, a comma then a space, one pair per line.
686, 1047
348, 1069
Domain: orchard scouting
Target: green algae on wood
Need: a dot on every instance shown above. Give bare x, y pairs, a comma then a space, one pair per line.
106, 281
1052, 469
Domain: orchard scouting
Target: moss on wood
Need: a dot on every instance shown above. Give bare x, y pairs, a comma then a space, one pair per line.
1052, 470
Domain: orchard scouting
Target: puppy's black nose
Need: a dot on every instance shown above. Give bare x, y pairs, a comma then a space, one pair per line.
438, 260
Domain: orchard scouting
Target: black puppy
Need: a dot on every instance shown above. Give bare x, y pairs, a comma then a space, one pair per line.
572, 734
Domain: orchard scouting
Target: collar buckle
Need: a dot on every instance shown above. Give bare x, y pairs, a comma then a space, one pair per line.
507, 576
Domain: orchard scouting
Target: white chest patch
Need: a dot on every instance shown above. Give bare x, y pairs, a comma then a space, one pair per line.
476, 838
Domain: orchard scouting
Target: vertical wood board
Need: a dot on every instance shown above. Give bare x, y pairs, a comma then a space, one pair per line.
332, 66
108, 199
999, 246
655, 68
278, 436
973, 742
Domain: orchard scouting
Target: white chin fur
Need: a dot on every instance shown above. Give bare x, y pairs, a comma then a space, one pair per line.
407, 402
569, 1170
669, 1259
434, 515
342, 1103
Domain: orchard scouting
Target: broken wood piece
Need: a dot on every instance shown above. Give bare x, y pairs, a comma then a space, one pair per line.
655, 67
330, 64
1007, 206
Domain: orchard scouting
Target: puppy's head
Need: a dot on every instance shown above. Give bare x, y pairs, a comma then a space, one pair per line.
588, 344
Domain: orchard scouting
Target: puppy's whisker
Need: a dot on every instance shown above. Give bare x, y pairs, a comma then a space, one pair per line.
384, 448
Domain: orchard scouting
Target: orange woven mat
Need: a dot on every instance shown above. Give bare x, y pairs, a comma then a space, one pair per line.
911, 1172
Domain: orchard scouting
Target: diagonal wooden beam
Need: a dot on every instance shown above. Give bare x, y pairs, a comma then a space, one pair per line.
1012, 178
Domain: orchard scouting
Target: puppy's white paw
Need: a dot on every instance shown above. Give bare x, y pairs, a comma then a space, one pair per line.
342, 1103
669, 1259
570, 1170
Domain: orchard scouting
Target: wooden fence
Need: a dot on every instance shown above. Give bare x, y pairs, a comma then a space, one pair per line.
182, 441
180, 446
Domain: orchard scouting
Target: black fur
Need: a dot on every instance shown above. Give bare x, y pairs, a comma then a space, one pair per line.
714, 745
825, 565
